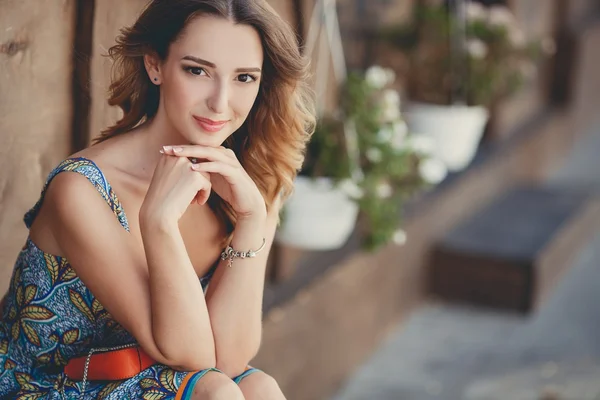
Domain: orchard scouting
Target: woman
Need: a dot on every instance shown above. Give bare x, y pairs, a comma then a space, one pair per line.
215, 120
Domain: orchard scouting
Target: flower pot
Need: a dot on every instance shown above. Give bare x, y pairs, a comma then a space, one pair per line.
318, 216
456, 130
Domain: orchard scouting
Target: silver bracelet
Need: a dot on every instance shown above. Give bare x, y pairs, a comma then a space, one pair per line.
230, 253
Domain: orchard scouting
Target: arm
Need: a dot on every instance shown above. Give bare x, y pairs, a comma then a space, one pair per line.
234, 296
155, 296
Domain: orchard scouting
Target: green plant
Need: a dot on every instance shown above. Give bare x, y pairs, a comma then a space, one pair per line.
491, 61
393, 163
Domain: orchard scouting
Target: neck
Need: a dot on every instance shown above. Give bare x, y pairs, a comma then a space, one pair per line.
145, 143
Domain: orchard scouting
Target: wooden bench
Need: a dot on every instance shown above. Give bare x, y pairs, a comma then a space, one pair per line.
512, 252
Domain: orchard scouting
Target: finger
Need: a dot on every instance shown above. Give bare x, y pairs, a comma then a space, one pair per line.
202, 197
204, 188
202, 153
216, 167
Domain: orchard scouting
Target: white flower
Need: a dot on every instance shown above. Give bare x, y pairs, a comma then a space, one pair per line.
390, 75
390, 113
475, 11
548, 46
399, 237
374, 155
432, 170
477, 48
391, 97
390, 104
399, 132
384, 190
500, 16
351, 189
385, 134
376, 77
422, 144
517, 37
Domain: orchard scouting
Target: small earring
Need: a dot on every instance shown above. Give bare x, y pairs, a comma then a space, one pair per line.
155, 79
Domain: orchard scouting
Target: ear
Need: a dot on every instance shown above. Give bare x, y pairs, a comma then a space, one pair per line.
153, 68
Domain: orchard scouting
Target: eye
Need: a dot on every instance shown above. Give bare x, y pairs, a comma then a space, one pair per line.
195, 70
246, 78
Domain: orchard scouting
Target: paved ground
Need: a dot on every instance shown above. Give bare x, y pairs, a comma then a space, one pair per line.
454, 353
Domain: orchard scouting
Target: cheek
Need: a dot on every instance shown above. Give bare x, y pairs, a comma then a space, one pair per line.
179, 94
244, 101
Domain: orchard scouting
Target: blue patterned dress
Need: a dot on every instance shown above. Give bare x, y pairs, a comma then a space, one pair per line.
50, 316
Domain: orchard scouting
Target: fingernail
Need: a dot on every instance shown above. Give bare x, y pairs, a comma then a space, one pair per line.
177, 149
161, 151
196, 167
166, 148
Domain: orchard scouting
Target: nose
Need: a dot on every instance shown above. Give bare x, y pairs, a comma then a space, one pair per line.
218, 100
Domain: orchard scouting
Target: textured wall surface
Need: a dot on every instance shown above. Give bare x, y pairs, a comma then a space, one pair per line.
35, 109
110, 16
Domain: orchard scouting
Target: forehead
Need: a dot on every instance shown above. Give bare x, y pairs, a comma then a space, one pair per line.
220, 41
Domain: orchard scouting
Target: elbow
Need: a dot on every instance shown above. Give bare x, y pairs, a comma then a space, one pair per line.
234, 363
195, 357
194, 362
232, 367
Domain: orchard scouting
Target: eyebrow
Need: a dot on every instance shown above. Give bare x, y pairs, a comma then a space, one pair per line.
212, 65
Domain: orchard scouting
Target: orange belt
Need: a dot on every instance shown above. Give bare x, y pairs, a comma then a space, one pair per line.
110, 366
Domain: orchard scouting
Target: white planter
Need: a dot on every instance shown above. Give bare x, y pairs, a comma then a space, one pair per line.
317, 216
456, 130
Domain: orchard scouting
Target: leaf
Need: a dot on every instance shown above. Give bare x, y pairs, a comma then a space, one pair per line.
31, 334
10, 364
67, 273
44, 359
97, 307
59, 359
15, 331
16, 277
148, 383
37, 313
166, 378
22, 378
71, 336
30, 396
3, 346
30, 292
154, 394
108, 389
52, 267
20, 296
81, 305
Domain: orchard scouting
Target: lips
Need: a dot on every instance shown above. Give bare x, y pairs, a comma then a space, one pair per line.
210, 125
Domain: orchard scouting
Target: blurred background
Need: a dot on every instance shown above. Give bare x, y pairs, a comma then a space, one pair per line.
443, 239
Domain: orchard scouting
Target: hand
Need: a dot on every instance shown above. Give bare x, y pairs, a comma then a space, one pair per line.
227, 175
174, 186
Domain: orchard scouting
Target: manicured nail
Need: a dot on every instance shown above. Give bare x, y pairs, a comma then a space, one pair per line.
166, 148
161, 151
177, 149
196, 167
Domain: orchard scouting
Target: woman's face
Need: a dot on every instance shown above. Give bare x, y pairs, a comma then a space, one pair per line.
210, 79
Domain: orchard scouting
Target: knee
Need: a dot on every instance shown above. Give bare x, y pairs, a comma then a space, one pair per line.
216, 386
261, 386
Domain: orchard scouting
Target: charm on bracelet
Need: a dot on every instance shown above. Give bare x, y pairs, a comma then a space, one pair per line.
230, 253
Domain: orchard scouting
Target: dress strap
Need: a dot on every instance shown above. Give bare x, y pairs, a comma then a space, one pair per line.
90, 170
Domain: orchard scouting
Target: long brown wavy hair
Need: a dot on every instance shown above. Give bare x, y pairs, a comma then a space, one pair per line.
271, 143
